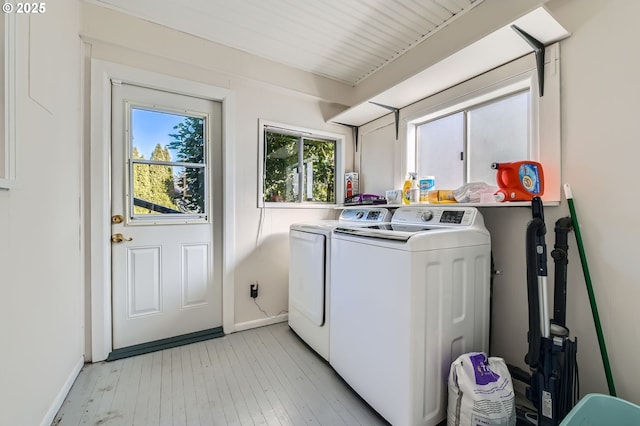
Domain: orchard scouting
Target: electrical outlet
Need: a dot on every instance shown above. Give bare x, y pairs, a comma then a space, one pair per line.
253, 290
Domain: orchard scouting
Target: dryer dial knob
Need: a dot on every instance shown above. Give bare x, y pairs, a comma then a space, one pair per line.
359, 215
426, 216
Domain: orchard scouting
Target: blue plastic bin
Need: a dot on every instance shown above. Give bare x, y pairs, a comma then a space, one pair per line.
596, 409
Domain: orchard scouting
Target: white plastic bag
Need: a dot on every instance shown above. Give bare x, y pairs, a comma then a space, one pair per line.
472, 192
480, 392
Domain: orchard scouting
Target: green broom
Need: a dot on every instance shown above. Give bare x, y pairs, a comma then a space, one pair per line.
592, 297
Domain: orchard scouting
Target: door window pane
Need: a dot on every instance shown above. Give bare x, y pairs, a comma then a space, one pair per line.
168, 174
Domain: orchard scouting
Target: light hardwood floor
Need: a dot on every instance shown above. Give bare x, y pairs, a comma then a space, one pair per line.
264, 376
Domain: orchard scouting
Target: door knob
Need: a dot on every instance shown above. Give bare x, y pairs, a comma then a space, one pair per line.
118, 238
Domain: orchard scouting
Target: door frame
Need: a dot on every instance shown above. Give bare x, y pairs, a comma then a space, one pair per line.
102, 75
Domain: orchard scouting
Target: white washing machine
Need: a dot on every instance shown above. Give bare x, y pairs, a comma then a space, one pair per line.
309, 278
407, 298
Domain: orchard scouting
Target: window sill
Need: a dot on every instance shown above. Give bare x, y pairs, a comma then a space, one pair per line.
299, 206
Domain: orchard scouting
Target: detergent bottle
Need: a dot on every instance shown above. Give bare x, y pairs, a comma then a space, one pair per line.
414, 192
519, 180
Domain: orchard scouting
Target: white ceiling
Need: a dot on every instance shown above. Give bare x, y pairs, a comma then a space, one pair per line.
345, 40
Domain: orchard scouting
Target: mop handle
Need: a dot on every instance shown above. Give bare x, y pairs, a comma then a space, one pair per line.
592, 298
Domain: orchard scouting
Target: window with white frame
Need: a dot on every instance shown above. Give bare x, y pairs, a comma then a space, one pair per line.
459, 148
298, 165
496, 117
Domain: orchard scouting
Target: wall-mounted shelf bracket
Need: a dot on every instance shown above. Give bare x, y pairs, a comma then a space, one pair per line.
538, 49
354, 129
396, 113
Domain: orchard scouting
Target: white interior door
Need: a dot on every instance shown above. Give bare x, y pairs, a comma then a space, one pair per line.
166, 183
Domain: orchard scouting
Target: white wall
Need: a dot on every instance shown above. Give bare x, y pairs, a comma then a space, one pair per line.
41, 307
262, 90
599, 151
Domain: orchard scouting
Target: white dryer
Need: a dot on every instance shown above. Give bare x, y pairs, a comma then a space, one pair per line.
408, 298
309, 278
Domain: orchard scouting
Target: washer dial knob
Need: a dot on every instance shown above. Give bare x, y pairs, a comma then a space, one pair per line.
359, 214
426, 215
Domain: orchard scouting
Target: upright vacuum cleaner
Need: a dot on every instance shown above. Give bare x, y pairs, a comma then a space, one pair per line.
553, 381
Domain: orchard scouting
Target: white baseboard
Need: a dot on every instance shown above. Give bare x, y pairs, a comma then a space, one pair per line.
261, 322
64, 391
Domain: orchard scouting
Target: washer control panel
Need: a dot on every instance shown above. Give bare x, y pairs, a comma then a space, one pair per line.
446, 216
